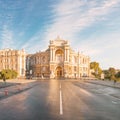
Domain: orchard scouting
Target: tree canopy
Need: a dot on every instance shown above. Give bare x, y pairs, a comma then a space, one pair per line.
8, 74
111, 74
117, 75
97, 70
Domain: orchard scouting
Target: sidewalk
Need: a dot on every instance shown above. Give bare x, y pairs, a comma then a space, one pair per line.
15, 86
12, 82
105, 83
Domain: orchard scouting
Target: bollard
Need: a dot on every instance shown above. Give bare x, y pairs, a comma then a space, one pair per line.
6, 92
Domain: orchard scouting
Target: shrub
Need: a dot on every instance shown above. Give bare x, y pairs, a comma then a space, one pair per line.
9, 74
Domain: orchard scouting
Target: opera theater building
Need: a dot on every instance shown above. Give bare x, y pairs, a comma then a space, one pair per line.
58, 61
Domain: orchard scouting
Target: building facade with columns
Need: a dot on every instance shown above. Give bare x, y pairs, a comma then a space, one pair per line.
58, 61
14, 60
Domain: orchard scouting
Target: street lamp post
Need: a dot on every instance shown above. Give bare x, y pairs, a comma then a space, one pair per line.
30, 74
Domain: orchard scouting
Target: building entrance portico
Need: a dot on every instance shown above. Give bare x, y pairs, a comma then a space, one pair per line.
58, 72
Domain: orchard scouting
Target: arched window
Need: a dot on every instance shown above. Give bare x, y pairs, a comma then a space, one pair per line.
59, 55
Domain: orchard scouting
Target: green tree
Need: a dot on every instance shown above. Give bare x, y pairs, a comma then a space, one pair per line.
112, 73
107, 74
97, 70
9, 74
117, 75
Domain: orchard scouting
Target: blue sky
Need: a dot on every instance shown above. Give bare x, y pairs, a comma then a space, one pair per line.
91, 26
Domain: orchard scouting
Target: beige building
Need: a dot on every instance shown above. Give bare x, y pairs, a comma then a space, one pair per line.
58, 61
13, 59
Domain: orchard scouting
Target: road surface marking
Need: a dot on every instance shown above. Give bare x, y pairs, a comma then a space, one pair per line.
112, 96
60, 85
114, 102
86, 92
61, 107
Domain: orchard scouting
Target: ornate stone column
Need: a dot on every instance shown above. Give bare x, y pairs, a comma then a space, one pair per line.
65, 54
53, 54
50, 54
68, 55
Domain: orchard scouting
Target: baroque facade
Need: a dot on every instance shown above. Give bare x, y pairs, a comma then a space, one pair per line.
58, 61
14, 60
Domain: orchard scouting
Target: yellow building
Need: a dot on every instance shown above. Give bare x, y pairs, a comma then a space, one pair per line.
14, 60
58, 61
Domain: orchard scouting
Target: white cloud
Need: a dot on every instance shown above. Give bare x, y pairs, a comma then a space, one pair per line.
35, 43
7, 37
99, 45
103, 49
70, 17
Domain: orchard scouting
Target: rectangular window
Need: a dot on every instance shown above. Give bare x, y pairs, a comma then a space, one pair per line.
75, 68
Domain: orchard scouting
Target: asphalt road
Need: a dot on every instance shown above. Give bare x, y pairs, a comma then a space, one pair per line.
62, 100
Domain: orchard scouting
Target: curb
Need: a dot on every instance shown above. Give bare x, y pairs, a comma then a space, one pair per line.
9, 85
103, 84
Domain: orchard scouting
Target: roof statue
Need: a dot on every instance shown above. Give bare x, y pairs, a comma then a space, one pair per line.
58, 38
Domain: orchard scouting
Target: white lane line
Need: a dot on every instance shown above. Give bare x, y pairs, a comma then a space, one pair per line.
61, 107
60, 85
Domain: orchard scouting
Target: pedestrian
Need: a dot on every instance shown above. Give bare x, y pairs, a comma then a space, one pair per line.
115, 82
4, 79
